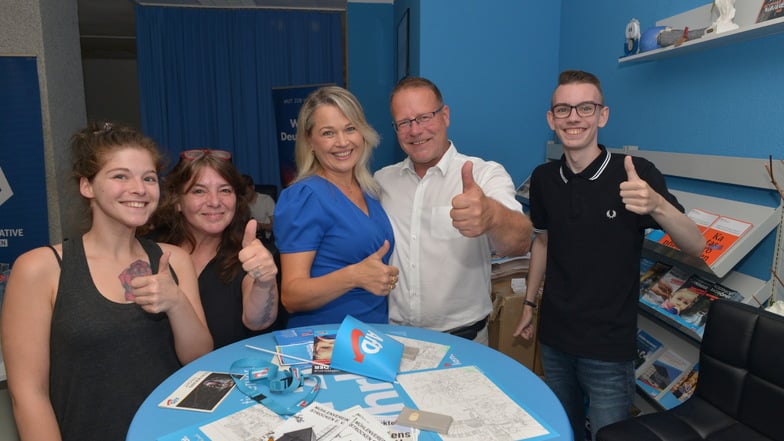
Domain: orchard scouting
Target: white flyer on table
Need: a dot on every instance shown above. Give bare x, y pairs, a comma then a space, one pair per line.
480, 410
428, 355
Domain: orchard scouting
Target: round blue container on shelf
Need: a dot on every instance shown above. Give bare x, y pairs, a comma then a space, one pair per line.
649, 38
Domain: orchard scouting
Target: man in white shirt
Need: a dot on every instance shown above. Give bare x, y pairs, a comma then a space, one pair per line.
448, 211
262, 208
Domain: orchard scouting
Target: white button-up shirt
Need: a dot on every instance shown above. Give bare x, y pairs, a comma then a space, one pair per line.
444, 280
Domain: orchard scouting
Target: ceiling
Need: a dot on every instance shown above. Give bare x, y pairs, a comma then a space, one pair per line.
107, 28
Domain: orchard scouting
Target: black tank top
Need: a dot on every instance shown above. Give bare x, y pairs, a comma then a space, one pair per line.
222, 303
106, 357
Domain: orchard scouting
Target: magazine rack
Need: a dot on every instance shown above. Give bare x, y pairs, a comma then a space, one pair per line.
745, 172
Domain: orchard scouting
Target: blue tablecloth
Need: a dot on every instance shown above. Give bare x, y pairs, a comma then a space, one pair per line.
345, 390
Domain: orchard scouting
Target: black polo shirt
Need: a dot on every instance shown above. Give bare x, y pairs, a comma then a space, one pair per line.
591, 290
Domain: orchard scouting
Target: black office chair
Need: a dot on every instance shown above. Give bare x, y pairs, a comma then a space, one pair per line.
740, 388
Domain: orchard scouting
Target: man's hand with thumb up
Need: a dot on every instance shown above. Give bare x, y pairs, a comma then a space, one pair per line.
636, 194
470, 212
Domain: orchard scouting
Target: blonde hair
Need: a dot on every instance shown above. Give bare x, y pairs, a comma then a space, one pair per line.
347, 103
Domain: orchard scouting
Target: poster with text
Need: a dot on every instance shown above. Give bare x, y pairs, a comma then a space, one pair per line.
287, 102
24, 220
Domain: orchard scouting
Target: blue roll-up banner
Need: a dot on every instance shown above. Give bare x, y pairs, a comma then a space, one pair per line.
24, 220
287, 102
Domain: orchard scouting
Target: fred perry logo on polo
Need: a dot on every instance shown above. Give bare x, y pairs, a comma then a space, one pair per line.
370, 344
611, 214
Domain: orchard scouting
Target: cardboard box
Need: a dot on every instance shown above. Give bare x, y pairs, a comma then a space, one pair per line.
507, 308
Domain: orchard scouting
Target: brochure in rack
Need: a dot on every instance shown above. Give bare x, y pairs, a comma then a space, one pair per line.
721, 233
681, 390
648, 348
662, 373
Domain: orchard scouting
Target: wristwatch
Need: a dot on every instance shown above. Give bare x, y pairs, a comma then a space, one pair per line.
529, 303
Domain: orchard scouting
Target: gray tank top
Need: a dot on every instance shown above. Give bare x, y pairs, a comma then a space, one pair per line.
106, 357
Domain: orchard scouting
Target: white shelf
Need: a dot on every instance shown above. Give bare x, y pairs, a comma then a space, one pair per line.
737, 171
763, 219
709, 41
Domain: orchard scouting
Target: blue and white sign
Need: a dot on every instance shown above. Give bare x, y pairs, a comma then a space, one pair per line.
287, 102
24, 220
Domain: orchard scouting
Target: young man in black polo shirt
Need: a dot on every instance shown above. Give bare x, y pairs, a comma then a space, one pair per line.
590, 210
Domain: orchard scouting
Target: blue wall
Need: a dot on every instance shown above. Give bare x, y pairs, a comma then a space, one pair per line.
491, 59
721, 101
497, 61
371, 70
489, 65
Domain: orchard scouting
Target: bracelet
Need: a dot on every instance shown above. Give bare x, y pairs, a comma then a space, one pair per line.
529, 303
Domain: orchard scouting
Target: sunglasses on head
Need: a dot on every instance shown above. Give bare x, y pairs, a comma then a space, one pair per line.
194, 154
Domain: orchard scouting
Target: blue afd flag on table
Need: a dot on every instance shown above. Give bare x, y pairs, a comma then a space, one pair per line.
360, 349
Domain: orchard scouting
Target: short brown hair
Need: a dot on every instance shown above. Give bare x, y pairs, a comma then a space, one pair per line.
91, 145
413, 82
580, 77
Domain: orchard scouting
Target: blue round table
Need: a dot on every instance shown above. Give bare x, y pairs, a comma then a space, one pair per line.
346, 390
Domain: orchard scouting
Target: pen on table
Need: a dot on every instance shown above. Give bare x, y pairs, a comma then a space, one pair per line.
280, 354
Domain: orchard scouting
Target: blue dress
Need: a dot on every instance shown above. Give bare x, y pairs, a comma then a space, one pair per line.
314, 215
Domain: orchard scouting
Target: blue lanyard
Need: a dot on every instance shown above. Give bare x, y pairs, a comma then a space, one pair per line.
254, 377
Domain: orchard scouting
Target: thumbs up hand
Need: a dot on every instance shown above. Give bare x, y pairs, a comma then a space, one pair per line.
637, 196
155, 292
374, 275
470, 211
255, 258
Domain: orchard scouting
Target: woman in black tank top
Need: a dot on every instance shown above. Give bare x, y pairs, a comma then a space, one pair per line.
91, 326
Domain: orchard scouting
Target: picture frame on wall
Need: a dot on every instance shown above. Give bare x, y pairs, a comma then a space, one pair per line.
402, 45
